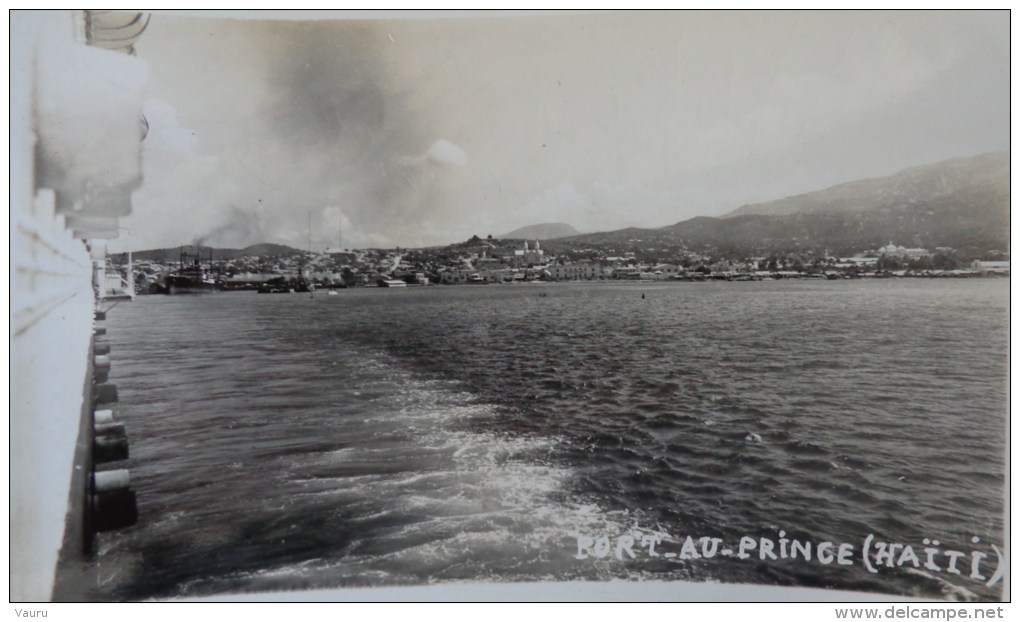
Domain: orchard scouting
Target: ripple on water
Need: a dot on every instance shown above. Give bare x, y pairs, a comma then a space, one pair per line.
392, 437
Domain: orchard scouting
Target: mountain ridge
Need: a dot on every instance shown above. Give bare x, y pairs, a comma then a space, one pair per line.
917, 183
543, 231
174, 253
961, 203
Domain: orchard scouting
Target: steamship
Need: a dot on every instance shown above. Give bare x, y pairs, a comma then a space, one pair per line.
191, 277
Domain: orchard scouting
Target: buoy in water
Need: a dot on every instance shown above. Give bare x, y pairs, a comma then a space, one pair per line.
109, 438
114, 505
105, 393
109, 481
112, 428
110, 449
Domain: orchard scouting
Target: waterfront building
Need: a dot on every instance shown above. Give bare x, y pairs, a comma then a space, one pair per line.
668, 270
627, 273
453, 276
991, 267
577, 271
891, 250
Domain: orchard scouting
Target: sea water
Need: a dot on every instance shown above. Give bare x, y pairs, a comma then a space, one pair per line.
575, 431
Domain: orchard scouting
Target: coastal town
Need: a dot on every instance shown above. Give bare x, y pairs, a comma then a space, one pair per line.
482, 261
557, 285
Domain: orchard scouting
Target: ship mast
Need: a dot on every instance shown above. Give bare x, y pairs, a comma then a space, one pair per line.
308, 251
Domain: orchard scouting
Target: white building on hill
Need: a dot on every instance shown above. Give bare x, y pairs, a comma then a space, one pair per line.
529, 256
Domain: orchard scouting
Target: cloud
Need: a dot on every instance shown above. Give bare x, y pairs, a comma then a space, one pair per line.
167, 141
599, 121
339, 231
445, 152
441, 152
562, 202
255, 125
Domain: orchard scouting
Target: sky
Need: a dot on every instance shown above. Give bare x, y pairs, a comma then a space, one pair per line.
417, 132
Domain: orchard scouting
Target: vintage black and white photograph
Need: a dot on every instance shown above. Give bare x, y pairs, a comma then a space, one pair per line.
668, 305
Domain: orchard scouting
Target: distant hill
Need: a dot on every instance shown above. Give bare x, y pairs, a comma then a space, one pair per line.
961, 204
901, 190
545, 231
174, 254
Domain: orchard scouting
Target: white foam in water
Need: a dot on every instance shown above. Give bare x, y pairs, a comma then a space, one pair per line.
388, 478
951, 590
477, 501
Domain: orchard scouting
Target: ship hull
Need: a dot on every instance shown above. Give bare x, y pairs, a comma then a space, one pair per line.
178, 285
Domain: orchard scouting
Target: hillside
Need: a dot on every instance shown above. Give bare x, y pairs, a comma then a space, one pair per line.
961, 204
166, 255
545, 231
903, 189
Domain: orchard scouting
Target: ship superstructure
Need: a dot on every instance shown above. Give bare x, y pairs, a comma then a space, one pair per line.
76, 135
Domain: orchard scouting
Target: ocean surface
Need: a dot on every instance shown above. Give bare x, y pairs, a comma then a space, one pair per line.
416, 436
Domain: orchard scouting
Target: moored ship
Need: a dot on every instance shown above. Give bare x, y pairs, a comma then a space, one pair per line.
191, 277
